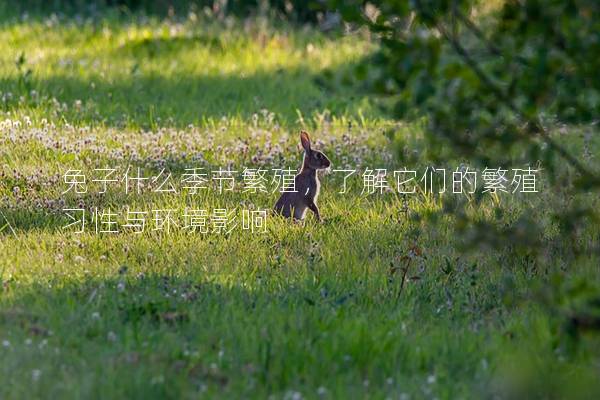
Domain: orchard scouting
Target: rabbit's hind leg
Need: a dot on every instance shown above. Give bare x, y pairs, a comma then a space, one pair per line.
282, 207
299, 212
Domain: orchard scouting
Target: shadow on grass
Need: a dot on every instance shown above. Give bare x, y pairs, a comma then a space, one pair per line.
148, 48
203, 337
186, 328
147, 101
194, 331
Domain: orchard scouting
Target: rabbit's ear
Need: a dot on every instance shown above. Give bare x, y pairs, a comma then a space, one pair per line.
305, 139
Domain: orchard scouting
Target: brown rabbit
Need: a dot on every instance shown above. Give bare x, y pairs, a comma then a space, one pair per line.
307, 184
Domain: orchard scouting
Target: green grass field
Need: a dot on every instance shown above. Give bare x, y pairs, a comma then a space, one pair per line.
301, 311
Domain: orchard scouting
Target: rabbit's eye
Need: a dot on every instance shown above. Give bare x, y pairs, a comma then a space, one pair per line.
319, 156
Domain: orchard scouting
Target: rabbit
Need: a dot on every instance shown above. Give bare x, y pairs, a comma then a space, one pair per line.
294, 204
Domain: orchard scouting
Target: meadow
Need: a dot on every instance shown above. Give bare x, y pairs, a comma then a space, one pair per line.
383, 299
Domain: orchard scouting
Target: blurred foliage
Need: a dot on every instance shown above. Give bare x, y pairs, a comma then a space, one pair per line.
492, 92
509, 87
292, 10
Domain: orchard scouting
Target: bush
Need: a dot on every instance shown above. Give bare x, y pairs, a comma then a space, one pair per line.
493, 92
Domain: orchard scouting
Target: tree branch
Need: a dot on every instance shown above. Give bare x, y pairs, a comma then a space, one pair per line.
534, 123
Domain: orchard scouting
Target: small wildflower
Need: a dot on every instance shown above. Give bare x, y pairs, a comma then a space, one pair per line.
292, 395
35, 374
112, 337
96, 315
5, 343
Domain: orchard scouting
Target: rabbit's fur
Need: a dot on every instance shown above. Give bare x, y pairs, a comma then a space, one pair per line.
294, 204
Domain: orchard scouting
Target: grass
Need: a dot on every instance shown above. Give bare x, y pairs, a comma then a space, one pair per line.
145, 74
303, 310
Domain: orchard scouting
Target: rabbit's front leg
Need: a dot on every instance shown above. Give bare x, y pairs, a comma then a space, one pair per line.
313, 207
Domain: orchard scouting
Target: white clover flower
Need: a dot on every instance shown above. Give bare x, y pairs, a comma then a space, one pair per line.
35, 375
